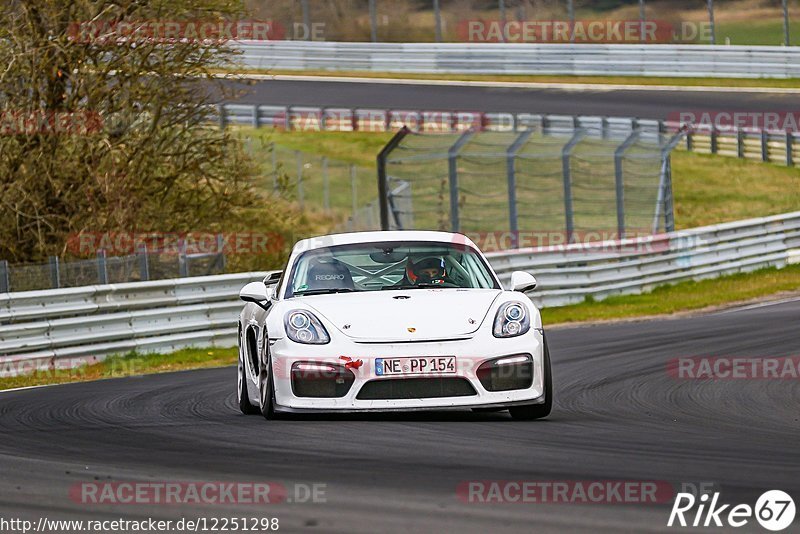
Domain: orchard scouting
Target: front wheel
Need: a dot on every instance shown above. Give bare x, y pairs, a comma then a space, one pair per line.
538, 411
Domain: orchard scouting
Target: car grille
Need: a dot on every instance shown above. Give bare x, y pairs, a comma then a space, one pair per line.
415, 388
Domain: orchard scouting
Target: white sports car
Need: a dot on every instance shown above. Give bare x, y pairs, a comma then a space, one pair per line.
385, 321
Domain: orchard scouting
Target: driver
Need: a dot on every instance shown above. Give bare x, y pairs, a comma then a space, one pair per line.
427, 271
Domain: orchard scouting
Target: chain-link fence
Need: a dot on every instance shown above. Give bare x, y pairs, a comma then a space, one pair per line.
559, 181
341, 189
104, 269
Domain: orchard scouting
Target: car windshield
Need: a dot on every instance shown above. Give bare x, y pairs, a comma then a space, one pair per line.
388, 266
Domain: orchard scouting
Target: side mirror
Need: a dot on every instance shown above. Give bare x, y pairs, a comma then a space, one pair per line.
522, 281
257, 292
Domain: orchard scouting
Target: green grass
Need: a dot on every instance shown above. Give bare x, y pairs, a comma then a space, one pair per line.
791, 83
714, 189
756, 32
132, 364
681, 297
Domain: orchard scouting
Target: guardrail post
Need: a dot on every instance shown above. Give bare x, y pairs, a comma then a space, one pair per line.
619, 153
102, 267
256, 121
274, 166
511, 158
740, 143
300, 193
604, 127
764, 146
322, 120
287, 118
689, 140
383, 186
714, 140
222, 115
144, 264
789, 148
354, 120
5, 284
566, 154
55, 273
326, 188
452, 172
183, 260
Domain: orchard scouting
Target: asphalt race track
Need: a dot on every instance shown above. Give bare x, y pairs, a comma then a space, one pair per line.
648, 104
618, 415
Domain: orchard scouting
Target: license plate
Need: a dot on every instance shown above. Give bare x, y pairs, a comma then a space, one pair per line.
415, 366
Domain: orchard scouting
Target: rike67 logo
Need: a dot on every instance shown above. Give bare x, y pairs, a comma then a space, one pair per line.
774, 510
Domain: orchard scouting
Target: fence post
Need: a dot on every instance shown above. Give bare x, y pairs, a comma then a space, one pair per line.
274, 166
326, 194
511, 157
571, 16
373, 20
764, 146
183, 260
102, 267
711, 22
566, 153
5, 283
437, 14
501, 5
144, 264
619, 153
642, 13
306, 20
740, 142
452, 172
353, 190
55, 273
300, 193
789, 148
786, 36
383, 186
221, 251
664, 199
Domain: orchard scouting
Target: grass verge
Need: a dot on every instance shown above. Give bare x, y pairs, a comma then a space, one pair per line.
681, 297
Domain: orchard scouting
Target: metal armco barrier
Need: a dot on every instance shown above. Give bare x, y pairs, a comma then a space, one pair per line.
46, 329
526, 58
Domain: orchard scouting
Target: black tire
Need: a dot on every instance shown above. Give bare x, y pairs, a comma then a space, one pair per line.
530, 412
245, 406
266, 389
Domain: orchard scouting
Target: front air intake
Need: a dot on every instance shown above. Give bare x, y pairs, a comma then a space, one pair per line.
415, 388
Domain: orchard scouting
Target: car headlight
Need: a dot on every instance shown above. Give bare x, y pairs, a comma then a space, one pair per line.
303, 327
512, 320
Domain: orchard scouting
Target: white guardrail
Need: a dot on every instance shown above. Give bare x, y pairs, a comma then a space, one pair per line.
69, 327
527, 58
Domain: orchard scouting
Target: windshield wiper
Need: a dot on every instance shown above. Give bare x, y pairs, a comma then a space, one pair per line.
324, 291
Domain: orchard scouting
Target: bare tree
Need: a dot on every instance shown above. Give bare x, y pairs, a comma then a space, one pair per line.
104, 126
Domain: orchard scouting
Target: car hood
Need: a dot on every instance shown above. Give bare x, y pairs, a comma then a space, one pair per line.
406, 315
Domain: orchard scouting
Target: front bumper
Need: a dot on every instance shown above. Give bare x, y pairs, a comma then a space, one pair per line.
469, 354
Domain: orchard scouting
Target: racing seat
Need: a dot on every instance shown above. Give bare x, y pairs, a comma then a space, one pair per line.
329, 274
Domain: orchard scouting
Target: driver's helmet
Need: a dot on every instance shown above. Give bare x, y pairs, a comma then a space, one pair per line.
426, 271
